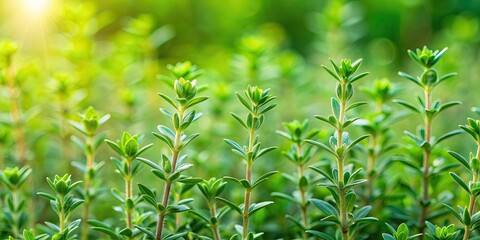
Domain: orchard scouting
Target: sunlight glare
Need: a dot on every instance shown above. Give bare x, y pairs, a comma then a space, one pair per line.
36, 6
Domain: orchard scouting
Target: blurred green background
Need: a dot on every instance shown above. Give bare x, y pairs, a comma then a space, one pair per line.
112, 54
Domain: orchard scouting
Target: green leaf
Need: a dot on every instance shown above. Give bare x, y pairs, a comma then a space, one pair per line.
230, 204
286, 197
321, 145
325, 207
146, 231
263, 178
407, 105
321, 235
411, 78
254, 207
447, 135
168, 99
239, 120
355, 105
336, 108
460, 182
455, 213
461, 159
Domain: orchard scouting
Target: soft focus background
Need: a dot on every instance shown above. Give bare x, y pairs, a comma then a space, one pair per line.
112, 55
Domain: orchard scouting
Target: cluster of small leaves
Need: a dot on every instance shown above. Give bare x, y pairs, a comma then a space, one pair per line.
340, 183
401, 233
442, 233
171, 167
127, 166
296, 133
63, 203
14, 217
258, 102
211, 189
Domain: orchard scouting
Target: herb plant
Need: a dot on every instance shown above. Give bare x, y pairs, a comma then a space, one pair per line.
14, 216
88, 126
341, 181
63, 203
258, 102
300, 155
428, 109
172, 166
467, 215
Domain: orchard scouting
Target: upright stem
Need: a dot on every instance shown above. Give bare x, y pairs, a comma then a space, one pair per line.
471, 205
128, 193
303, 206
340, 162
371, 166
168, 184
426, 164
88, 183
213, 213
248, 176
61, 214
15, 199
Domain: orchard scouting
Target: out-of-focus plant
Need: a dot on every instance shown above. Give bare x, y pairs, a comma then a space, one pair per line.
467, 216
428, 109
299, 154
258, 102
378, 125
88, 126
8, 77
63, 203
30, 235
341, 182
14, 217
172, 166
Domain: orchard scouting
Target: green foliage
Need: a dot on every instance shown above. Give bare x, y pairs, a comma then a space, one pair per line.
258, 102
63, 203
340, 183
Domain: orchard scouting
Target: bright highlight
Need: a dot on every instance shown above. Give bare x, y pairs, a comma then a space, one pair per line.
36, 6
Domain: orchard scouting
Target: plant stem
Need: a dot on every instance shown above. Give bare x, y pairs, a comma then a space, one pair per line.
213, 213
248, 176
303, 205
426, 165
471, 205
88, 181
371, 166
340, 162
168, 184
15, 200
61, 214
128, 193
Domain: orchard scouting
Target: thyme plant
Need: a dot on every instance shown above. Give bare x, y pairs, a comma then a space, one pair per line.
210, 190
173, 165
378, 125
63, 203
258, 102
299, 154
88, 126
467, 215
8, 76
127, 166
14, 217
341, 181
428, 109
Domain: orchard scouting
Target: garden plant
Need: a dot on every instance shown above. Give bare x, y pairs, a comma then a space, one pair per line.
240, 120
